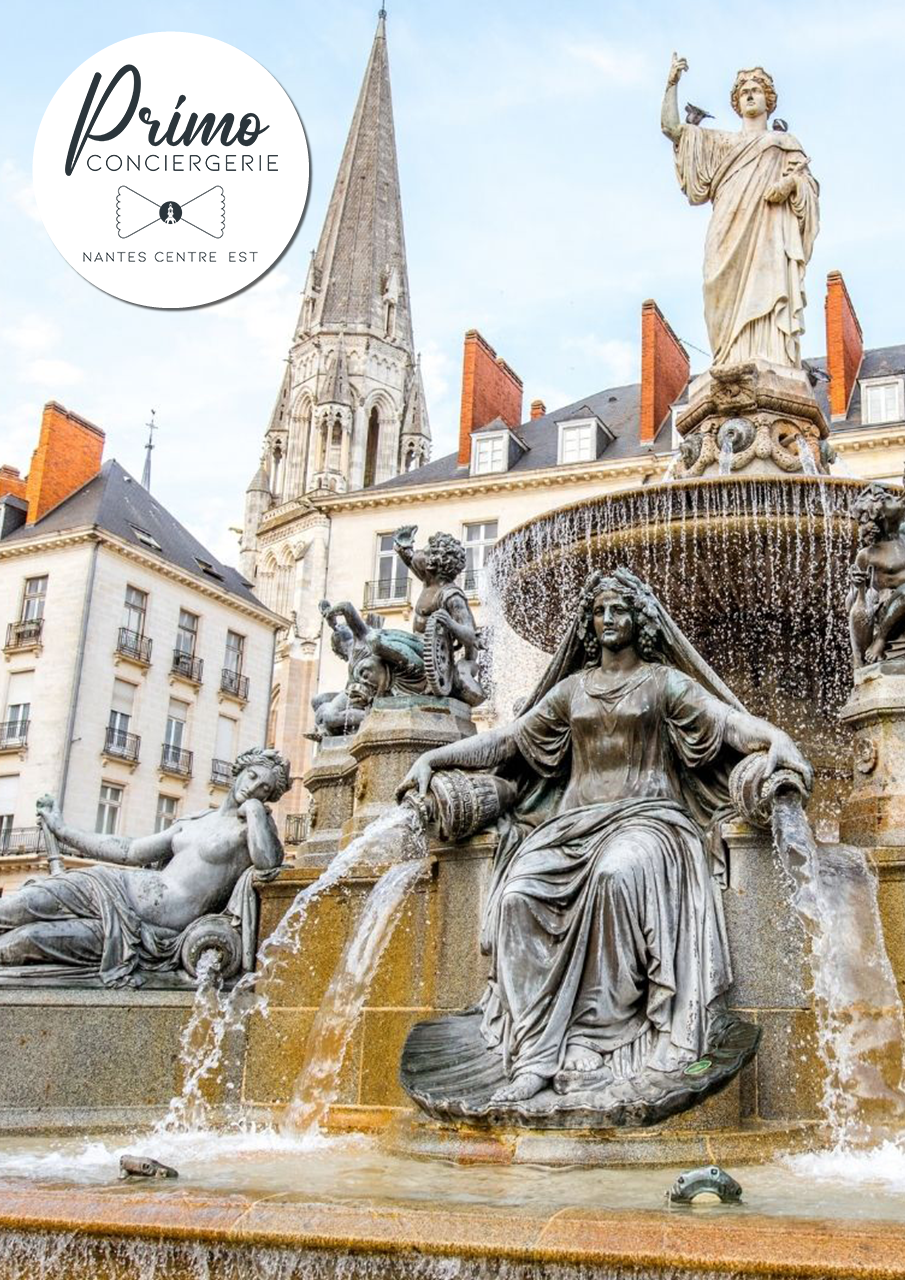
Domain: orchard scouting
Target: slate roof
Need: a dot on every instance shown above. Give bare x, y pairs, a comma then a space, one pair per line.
619, 409
115, 502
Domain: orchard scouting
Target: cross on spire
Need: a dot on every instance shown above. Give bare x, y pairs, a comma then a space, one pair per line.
149, 447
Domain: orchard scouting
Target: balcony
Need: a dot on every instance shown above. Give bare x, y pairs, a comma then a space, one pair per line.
21, 842
187, 667
24, 635
14, 735
221, 773
387, 593
121, 745
296, 829
134, 646
234, 684
175, 761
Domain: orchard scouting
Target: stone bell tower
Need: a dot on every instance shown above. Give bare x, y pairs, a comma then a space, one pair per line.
350, 410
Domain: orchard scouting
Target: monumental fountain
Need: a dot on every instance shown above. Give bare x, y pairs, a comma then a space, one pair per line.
516, 981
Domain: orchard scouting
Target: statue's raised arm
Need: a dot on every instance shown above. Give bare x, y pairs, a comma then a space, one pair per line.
669, 112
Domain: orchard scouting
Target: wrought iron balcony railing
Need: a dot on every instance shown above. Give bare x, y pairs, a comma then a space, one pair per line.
234, 683
123, 745
221, 773
175, 760
188, 667
132, 644
21, 841
14, 734
25, 634
387, 591
473, 582
296, 829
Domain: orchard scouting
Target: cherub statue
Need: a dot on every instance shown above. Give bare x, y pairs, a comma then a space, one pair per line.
118, 922
380, 660
876, 602
443, 616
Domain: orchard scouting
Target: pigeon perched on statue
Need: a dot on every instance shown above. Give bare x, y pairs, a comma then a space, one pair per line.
694, 115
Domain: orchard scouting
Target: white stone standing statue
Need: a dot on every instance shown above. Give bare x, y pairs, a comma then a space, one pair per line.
764, 223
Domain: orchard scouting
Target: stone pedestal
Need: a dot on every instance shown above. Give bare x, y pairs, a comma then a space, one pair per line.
873, 817
331, 782
752, 417
395, 732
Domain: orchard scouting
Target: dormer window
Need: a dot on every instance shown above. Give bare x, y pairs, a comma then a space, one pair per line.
881, 401
488, 454
582, 439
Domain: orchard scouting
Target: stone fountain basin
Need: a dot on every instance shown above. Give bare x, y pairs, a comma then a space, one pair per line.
263, 1205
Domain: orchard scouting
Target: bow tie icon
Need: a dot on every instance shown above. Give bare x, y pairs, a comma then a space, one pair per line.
205, 212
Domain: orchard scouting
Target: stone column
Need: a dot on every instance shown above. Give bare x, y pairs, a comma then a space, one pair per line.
873, 817
395, 732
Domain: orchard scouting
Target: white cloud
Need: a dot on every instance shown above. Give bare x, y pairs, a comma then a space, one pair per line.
622, 66
17, 189
52, 374
32, 335
616, 360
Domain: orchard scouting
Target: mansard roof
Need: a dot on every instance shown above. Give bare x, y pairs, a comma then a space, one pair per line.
114, 501
619, 408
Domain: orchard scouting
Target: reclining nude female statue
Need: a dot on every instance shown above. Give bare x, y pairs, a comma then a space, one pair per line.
609, 957
118, 923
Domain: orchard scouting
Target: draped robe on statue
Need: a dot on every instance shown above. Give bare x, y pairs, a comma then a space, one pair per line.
755, 253
605, 925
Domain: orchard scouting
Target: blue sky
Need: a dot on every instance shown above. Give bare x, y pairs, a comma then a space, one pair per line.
539, 198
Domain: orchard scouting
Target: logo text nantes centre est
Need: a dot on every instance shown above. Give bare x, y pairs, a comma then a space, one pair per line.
171, 170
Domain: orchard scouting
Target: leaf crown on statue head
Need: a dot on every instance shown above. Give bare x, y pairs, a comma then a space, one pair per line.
445, 556
640, 599
271, 759
764, 79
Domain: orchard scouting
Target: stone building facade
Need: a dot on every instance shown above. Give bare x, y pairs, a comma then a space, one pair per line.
135, 665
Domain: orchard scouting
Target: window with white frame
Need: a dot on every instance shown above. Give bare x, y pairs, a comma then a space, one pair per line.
108, 807
121, 708
177, 716
135, 609
577, 442
18, 708
488, 454
167, 812
187, 633
235, 652
9, 790
391, 576
225, 740
881, 401
33, 598
479, 539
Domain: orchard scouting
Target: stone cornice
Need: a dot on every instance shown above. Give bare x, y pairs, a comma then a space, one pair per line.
300, 511
73, 537
888, 436
643, 467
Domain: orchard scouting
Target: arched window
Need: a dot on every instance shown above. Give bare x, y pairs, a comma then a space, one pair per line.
335, 456
276, 470
371, 450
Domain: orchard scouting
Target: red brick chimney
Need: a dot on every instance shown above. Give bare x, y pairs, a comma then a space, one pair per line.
11, 482
665, 369
69, 453
844, 344
538, 408
490, 389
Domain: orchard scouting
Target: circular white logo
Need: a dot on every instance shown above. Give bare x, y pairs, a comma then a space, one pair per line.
171, 170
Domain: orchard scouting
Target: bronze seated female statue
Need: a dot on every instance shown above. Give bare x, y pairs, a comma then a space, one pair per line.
608, 953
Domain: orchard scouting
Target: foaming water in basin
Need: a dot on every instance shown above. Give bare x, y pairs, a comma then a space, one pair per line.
360, 1171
